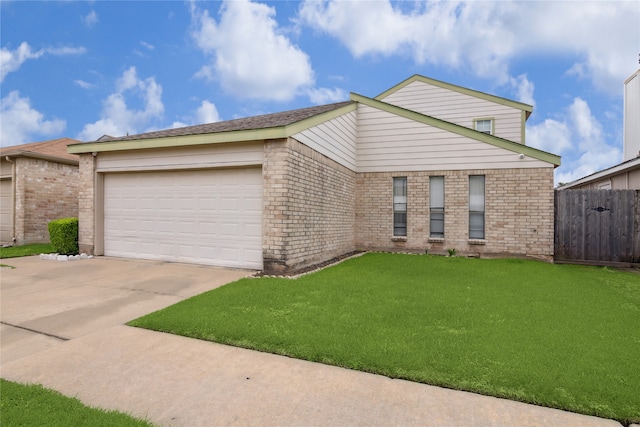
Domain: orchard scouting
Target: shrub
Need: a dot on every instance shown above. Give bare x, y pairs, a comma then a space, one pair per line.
64, 235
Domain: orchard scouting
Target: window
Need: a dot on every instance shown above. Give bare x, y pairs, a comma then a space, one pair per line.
436, 206
484, 126
476, 206
400, 206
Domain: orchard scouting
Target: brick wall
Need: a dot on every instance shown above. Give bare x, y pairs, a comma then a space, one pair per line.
309, 207
45, 191
86, 223
518, 213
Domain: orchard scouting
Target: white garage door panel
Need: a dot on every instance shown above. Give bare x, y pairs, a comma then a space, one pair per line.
205, 217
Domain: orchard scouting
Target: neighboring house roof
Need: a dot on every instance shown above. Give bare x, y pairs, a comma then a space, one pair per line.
613, 170
528, 109
54, 150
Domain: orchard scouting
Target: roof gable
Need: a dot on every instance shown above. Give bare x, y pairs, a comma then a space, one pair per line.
459, 130
528, 109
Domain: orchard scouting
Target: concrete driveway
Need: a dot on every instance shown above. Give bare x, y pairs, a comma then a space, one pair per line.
63, 327
46, 302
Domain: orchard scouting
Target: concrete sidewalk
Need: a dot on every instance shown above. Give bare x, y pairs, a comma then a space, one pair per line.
177, 381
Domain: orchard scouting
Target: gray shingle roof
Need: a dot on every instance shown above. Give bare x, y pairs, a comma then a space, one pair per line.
248, 123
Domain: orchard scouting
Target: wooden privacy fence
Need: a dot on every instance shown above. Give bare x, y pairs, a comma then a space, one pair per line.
599, 226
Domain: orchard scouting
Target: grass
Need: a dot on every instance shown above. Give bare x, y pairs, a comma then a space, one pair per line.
561, 336
25, 250
33, 405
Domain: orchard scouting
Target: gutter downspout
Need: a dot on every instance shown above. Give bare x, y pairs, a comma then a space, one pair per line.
13, 198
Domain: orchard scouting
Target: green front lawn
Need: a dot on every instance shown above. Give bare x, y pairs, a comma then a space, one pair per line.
562, 336
33, 405
25, 250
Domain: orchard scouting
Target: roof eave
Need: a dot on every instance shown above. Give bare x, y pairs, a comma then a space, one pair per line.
40, 156
606, 173
211, 138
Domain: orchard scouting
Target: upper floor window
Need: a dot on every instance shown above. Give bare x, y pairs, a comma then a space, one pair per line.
400, 206
484, 126
436, 206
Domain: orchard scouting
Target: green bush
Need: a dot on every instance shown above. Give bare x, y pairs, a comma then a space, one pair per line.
64, 235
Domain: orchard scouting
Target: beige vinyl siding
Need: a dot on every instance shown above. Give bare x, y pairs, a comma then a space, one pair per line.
196, 157
458, 108
335, 138
387, 142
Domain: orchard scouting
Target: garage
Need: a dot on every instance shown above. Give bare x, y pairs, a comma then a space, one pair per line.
211, 216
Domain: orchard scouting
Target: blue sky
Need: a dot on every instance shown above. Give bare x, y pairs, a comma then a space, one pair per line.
84, 69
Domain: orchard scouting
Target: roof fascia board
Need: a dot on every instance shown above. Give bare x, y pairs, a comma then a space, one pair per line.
318, 119
459, 130
487, 97
39, 156
627, 166
179, 141
212, 138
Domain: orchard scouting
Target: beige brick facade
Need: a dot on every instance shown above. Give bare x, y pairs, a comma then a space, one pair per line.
86, 204
44, 190
308, 208
518, 213
315, 209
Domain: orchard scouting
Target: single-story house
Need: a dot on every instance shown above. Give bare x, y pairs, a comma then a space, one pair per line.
424, 166
38, 183
625, 175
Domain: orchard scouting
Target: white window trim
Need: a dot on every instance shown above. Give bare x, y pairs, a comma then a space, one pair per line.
490, 119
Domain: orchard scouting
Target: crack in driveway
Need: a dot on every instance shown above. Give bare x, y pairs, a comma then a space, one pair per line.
35, 331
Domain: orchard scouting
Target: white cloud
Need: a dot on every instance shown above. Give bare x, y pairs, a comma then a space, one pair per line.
91, 19
250, 55
66, 50
20, 123
11, 61
147, 45
117, 118
325, 95
580, 137
206, 113
523, 89
83, 84
484, 37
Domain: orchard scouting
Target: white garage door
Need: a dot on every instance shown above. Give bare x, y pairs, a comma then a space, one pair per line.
6, 211
205, 217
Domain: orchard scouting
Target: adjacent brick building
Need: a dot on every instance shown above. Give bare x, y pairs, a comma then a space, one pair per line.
425, 166
39, 184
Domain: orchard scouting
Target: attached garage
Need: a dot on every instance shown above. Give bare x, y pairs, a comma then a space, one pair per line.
210, 216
